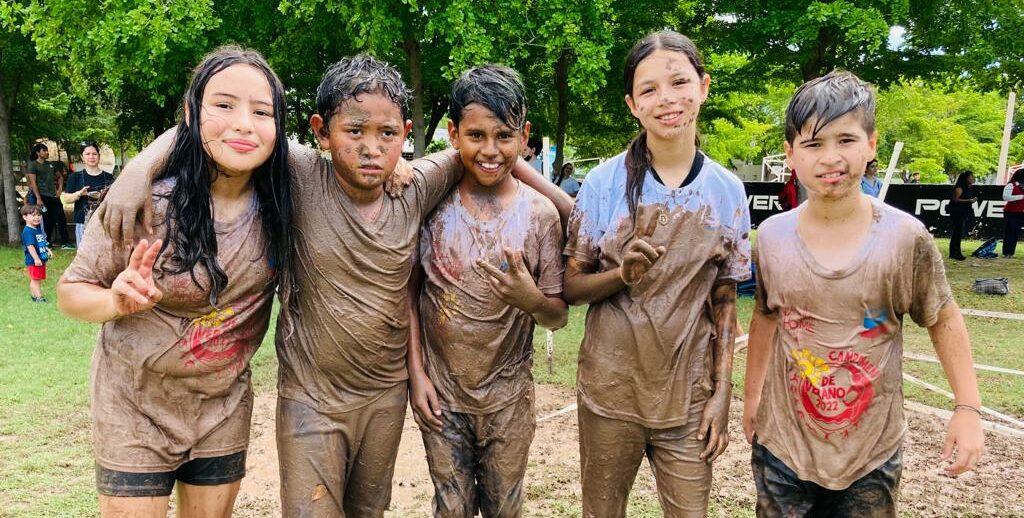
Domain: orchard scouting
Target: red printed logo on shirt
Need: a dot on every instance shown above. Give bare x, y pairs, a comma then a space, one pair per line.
833, 392
218, 341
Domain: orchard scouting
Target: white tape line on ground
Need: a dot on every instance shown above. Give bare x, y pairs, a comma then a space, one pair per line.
932, 359
992, 314
565, 410
942, 413
984, 409
741, 343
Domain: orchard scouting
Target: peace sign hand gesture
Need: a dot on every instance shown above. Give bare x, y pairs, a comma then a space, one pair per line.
133, 290
640, 255
514, 287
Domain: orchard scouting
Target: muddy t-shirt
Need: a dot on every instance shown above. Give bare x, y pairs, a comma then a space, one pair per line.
647, 348
180, 370
477, 349
342, 343
832, 402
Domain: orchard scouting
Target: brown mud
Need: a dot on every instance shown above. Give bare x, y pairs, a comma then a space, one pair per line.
552, 478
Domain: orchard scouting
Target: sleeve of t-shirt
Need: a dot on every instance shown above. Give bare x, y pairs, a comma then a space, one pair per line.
97, 260
736, 267
302, 163
434, 175
929, 288
549, 280
28, 237
584, 232
761, 288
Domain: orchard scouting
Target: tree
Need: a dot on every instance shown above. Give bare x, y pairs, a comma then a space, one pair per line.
944, 132
20, 67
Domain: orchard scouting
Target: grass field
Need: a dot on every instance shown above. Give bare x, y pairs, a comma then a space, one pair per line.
46, 466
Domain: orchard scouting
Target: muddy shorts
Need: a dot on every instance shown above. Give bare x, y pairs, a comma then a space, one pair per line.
335, 465
212, 471
610, 454
781, 493
477, 462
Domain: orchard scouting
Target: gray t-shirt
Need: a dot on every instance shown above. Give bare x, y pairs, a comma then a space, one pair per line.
46, 176
832, 402
342, 343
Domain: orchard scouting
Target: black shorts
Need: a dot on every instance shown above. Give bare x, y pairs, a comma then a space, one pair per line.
212, 471
781, 493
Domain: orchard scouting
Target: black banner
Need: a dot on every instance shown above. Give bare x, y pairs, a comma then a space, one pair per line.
928, 203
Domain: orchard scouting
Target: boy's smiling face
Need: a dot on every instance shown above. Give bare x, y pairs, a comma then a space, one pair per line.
488, 147
831, 163
365, 139
33, 219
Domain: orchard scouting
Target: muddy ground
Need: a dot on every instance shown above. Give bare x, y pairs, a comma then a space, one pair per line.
995, 489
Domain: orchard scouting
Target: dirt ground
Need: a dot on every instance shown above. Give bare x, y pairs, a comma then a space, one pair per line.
553, 480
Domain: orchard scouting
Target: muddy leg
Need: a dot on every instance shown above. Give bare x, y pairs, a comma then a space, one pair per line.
684, 480
610, 454
451, 457
207, 501
504, 448
374, 443
134, 507
312, 453
779, 491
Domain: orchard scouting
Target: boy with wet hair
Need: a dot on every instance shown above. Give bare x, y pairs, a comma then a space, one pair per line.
491, 267
823, 402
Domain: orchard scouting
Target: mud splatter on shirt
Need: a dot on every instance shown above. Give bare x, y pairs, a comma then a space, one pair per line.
832, 402
477, 349
647, 348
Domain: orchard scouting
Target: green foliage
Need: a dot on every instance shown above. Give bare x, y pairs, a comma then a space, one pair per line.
437, 145
944, 131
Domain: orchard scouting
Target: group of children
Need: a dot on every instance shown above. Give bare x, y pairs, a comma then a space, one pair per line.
421, 283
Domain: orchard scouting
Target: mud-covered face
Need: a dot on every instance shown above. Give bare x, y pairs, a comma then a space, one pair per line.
488, 147
237, 121
832, 163
365, 140
667, 94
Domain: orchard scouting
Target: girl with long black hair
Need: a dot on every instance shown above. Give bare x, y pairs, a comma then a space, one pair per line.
656, 243
185, 309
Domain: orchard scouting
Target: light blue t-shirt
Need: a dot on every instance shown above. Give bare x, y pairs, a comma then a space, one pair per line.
872, 188
646, 351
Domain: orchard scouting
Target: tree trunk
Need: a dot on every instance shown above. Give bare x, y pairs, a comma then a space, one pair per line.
562, 89
412, 53
439, 108
10, 205
816, 66
301, 120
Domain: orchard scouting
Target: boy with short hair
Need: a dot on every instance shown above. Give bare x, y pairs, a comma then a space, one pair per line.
491, 264
37, 250
823, 402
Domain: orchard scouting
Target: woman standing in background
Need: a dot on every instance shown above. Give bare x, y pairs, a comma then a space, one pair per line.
86, 187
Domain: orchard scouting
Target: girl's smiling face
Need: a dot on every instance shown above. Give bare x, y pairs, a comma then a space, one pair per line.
667, 94
237, 119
